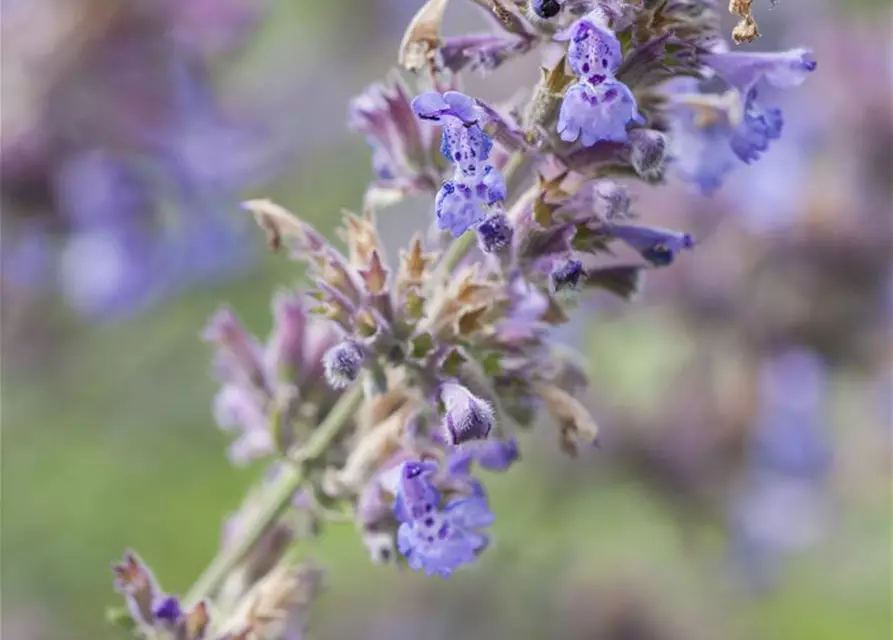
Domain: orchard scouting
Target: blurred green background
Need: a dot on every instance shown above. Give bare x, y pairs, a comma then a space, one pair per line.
108, 444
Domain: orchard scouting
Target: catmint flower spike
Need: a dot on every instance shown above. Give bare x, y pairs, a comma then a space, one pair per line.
342, 363
466, 417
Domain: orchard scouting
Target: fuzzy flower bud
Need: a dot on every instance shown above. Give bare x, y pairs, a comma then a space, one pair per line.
566, 276
342, 363
495, 234
546, 9
648, 153
467, 417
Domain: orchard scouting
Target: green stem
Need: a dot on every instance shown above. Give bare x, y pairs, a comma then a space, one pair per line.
277, 497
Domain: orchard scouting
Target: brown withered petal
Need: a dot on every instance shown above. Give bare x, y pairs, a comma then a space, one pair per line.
360, 236
574, 420
283, 227
422, 36
375, 276
415, 262
472, 321
197, 621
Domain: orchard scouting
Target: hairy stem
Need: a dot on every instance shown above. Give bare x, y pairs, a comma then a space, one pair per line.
277, 497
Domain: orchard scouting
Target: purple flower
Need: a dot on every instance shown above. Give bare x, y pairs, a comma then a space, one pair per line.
744, 70
466, 416
597, 112
401, 148
463, 201
491, 454
658, 246
343, 363
438, 539
241, 409
758, 127
598, 107
707, 124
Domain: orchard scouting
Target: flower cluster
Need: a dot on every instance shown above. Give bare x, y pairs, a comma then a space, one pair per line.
435, 362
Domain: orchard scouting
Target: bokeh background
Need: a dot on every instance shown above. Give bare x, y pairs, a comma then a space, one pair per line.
743, 486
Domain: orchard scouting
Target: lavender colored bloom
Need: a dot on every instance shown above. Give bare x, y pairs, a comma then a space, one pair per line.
463, 201
401, 148
707, 124
758, 127
658, 246
240, 409
343, 363
491, 454
435, 539
466, 416
598, 107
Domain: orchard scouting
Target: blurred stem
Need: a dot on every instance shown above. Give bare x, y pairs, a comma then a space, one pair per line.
277, 497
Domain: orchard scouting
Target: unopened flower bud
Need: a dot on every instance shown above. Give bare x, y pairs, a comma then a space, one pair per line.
566, 276
648, 152
467, 417
342, 363
546, 9
495, 234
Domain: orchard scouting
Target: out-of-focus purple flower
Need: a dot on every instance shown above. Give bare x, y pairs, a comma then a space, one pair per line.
744, 70
466, 417
438, 539
706, 124
402, 155
781, 505
658, 246
465, 200
492, 454
256, 378
598, 107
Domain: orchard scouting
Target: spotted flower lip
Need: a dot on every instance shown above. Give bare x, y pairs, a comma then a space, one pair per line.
434, 537
597, 107
463, 201
596, 113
